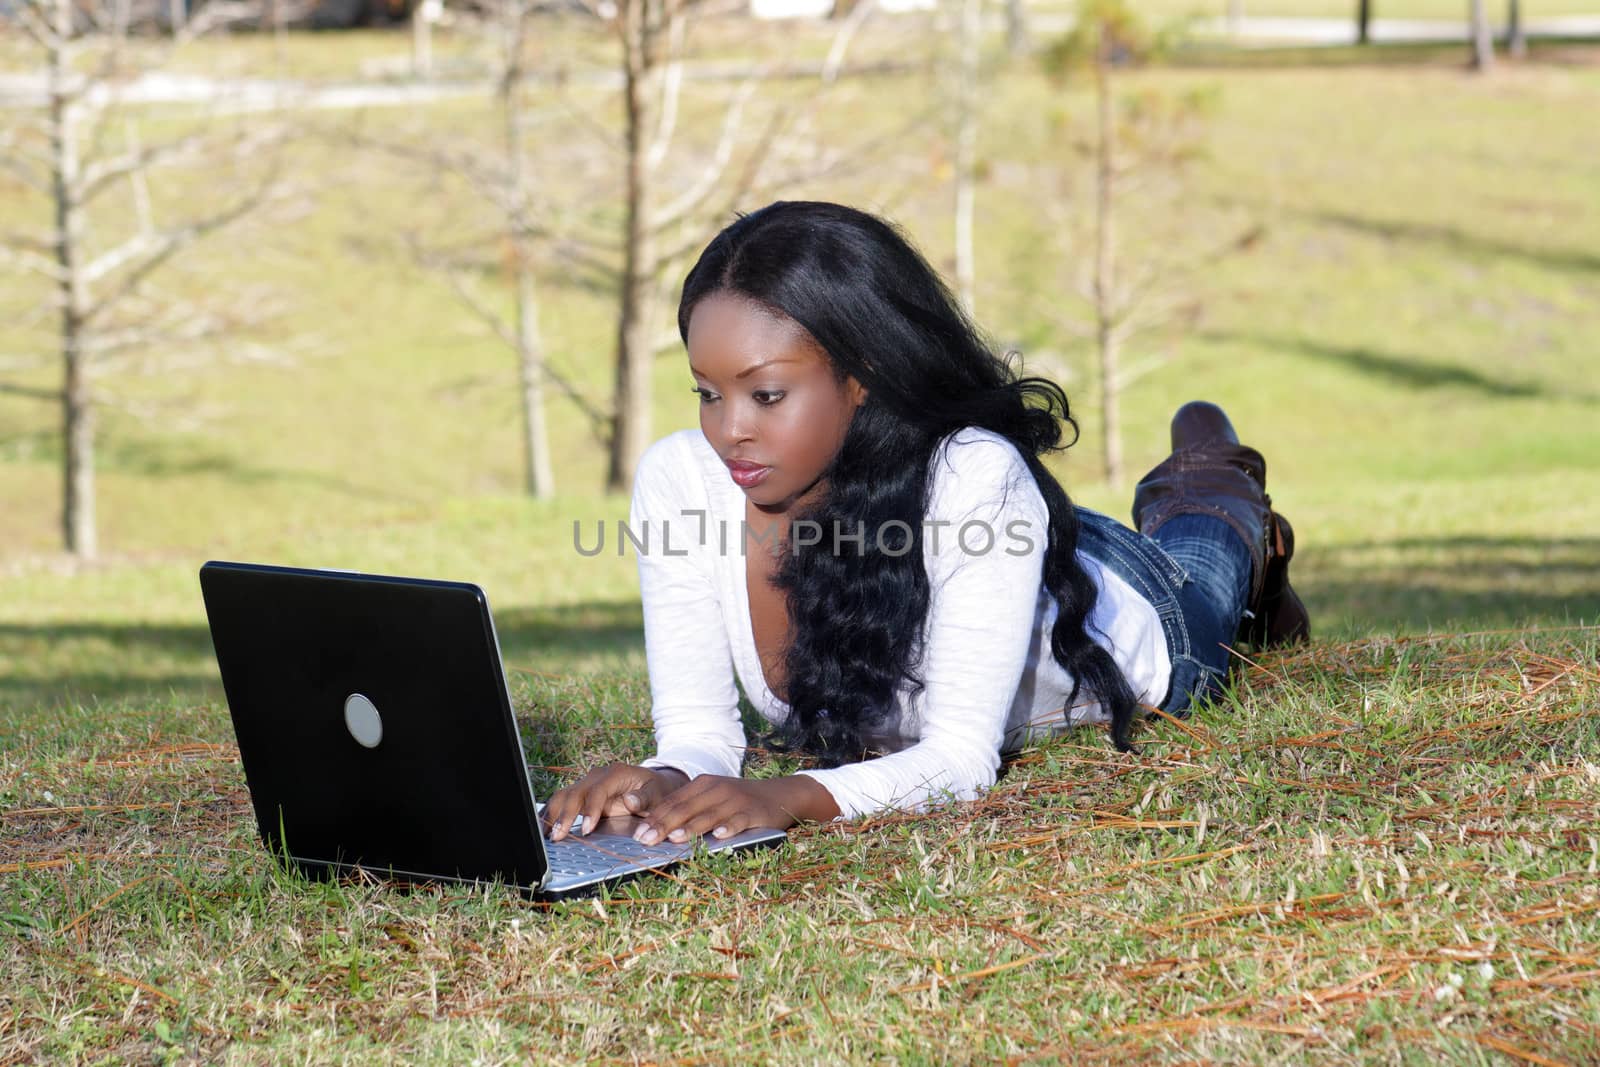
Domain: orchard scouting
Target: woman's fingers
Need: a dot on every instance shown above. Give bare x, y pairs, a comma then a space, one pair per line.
665, 798
698, 808
702, 822
597, 794
558, 813
567, 806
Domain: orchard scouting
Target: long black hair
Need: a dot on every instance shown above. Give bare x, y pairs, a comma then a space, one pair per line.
884, 317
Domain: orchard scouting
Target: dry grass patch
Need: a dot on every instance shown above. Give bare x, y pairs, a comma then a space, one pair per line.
1381, 850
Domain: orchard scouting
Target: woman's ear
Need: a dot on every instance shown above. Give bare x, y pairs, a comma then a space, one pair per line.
855, 392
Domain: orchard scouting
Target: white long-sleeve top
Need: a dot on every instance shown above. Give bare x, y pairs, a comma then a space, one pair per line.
990, 679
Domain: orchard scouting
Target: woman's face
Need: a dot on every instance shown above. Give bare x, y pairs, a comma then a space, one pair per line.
769, 402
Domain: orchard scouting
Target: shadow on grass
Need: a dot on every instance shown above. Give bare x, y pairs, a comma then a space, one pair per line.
1545, 51
52, 665
163, 459
1404, 371
1452, 583
1407, 585
1462, 242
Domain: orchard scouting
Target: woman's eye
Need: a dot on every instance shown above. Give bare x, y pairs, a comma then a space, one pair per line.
706, 396
767, 397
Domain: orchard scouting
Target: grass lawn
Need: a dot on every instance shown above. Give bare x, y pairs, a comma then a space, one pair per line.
1381, 848
1448, 10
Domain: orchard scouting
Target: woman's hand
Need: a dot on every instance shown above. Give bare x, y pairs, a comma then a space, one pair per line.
616, 789
722, 807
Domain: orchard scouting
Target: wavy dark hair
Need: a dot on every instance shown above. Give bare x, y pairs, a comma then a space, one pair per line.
884, 317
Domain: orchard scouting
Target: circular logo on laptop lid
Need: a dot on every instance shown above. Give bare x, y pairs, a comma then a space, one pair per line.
361, 718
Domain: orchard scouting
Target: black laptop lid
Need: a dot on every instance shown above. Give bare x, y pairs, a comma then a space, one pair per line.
373, 722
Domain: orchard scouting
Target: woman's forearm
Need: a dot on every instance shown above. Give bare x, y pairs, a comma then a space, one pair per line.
807, 799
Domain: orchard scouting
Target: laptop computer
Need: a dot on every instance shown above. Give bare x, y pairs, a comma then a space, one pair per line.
376, 731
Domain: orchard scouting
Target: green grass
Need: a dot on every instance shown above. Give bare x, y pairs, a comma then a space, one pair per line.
1380, 849
1384, 850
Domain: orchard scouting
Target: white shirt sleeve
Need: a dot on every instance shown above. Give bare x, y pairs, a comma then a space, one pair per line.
984, 583
694, 702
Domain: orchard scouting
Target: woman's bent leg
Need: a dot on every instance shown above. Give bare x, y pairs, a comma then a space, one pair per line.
1213, 599
1210, 473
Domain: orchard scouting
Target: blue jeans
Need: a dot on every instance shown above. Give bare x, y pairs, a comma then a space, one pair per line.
1196, 572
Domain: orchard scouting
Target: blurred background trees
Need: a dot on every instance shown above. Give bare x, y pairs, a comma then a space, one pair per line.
117, 197
548, 161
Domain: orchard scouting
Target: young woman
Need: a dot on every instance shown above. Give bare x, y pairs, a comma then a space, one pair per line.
862, 535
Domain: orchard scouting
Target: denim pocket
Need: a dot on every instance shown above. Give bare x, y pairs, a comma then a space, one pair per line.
1154, 575
1136, 559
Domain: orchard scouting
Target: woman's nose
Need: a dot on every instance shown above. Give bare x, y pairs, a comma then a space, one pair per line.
738, 423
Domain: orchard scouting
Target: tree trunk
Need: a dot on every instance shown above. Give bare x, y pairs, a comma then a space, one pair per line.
1105, 281
1482, 41
423, 16
538, 476
1516, 36
77, 393
1017, 36
1364, 22
632, 396
970, 34
541, 479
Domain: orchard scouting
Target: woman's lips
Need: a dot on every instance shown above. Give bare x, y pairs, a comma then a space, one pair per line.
748, 475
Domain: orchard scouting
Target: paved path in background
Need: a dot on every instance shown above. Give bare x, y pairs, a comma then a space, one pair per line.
233, 95
236, 95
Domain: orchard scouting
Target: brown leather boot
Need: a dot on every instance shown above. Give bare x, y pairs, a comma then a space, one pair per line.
1211, 473
1280, 616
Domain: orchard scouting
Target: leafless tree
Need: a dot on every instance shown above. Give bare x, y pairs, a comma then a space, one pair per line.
105, 249
425, 14
694, 144
1516, 33
968, 33
1018, 39
1138, 145
651, 33
1482, 37
500, 176
662, 230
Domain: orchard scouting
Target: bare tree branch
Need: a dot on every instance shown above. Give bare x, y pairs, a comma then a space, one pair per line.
152, 250
489, 180
1074, 327
97, 176
39, 244
30, 262
671, 90
485, 176
31, 392
841, 40
161, 334
696, 194
13, 162
596, 129
134, 345
35, 22
502, 329
829, 167
469, 296
599, 418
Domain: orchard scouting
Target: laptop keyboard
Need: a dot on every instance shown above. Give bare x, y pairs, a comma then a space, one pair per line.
576, 857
